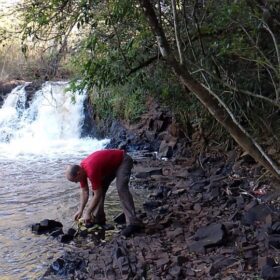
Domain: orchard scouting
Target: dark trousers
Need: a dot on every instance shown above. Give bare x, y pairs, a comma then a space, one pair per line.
122, 180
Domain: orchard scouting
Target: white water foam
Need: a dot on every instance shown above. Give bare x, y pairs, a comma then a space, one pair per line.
49, 127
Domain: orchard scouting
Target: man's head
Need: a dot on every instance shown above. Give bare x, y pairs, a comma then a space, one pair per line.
74, 173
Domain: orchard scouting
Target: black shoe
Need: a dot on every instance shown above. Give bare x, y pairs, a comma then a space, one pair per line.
130, 229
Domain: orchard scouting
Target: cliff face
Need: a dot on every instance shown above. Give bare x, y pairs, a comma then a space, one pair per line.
6, 87
156, 131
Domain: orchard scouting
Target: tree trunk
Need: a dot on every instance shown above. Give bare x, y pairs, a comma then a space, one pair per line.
211, 101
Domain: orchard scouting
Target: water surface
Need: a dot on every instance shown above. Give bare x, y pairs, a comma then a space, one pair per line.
37, 141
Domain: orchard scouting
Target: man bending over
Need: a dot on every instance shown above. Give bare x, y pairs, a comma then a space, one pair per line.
101, 168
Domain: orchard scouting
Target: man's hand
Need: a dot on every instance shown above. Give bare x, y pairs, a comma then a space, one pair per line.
78, 215
87, 218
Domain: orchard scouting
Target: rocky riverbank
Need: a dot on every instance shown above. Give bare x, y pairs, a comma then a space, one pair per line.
211, 213
212, 217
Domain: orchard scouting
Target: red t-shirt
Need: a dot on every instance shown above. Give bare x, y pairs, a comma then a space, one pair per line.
100, 164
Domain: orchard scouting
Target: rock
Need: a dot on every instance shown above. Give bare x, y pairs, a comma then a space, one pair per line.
172, 234
246, 158
162, 260
179, 192
180, 260
30, 90
147, 172
208, 236
270, 271
150, 205
165, 150
67, 264
221, 263
175, 271
66, 238
6, 87
276, 227
58, 264
71, 232
119, 219
46, 226
108, 227
50, 224
197, 207
161, 193
56, 232
274, 240
258, 213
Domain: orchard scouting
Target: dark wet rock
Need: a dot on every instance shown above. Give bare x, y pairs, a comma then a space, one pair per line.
72, 232
58, 264
270, 273
161, 193
150, 205
66, 238
270, 270
247, 159
46, 226
180, 260
121, 260
30, 90
6, 87
108, 227
220, 264
148, 172
83, 233
56, 232
270, 196
274, 240
208, 236
163, 209
66, 265
258, 213
275, 228
119, 219
50, 224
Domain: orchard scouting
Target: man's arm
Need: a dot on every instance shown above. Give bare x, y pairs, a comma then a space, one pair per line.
83, 198
84, 194
97, 195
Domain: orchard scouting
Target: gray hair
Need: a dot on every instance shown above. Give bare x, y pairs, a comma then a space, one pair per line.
73, 170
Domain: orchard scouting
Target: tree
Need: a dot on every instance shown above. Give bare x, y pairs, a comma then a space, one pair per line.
209, 45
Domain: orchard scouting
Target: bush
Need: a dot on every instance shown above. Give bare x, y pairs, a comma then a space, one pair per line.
119, 102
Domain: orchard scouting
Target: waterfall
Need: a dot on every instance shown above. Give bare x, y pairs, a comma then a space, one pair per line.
47, 125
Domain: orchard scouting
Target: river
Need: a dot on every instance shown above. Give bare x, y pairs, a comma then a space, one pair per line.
36, 144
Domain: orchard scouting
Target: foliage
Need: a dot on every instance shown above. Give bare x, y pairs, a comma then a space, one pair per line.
232, 47
119, 102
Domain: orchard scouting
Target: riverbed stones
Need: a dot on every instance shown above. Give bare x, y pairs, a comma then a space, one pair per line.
147, 172
119, 218
270, 270
66, 265
208, 236
47, 226
198, 233
259, 213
